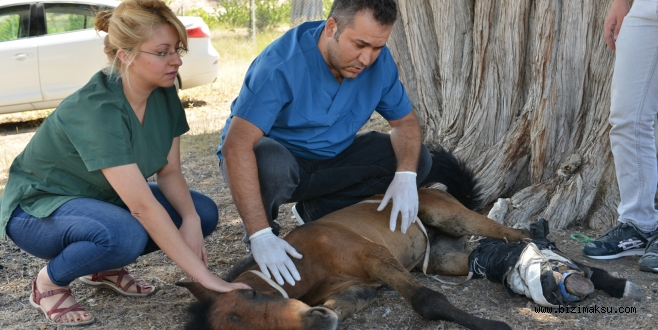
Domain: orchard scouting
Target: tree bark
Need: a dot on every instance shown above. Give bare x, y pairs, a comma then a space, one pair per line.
519, 90
305, 10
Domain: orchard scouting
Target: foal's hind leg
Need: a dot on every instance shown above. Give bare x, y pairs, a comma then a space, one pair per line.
614, 286
351, 300
432, 305
440, 210
448, 256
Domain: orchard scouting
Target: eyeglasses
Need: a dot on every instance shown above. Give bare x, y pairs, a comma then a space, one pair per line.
180, 51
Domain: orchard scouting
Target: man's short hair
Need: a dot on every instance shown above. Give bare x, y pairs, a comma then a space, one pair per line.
343, 11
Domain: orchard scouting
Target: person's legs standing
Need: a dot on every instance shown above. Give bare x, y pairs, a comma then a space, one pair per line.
634, 104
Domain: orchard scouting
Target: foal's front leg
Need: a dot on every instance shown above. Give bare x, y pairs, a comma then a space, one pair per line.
355, 298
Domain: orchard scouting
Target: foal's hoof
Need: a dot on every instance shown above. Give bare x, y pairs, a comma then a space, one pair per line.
578, 285
633, 291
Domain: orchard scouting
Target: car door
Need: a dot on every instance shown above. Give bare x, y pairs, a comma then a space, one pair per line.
19, 85
70, 49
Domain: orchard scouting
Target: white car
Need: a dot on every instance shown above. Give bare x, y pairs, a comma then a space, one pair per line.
49, 49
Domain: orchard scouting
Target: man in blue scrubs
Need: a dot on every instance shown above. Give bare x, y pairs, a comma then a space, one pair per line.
292, 134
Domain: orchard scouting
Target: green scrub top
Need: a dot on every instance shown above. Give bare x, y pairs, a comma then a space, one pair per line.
92, 129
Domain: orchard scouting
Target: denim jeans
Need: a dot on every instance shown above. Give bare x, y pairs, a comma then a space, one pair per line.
364, 169
85, 236
634, 104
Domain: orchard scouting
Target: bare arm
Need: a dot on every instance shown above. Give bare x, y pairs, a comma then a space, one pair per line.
406, 138
242, 173
613, 21
174, 187
270, 252
128, 182
406, 141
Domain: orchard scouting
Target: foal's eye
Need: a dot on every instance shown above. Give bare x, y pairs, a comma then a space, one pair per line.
254, 293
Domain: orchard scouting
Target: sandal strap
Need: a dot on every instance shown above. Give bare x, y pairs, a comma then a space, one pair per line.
98, 277
37, 296
127, 286
62, 311
140, 284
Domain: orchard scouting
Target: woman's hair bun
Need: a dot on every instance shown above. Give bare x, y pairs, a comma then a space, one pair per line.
102, 22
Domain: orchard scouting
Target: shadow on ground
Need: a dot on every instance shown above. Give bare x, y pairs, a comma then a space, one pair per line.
20, 127
193, 103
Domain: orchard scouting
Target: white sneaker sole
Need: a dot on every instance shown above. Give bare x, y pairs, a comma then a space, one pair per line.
627, 253
299, 219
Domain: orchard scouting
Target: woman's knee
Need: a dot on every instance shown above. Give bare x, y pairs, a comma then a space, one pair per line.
127, 244
109, 231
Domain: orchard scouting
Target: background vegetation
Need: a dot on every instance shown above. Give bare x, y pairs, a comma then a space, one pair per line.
232, 14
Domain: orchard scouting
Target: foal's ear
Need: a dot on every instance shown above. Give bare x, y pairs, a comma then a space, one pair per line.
204, 295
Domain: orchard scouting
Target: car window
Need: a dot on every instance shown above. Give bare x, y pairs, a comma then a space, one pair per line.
69, 17
14, 22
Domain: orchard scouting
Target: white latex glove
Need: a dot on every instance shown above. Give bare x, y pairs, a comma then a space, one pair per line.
404, 193
271, 252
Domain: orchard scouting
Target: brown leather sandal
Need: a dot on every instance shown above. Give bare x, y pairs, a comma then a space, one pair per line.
99, 280
35, 301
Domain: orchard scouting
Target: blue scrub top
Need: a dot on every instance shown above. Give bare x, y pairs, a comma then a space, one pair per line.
290, 93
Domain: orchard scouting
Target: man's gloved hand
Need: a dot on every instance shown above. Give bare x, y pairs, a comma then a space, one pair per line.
271, 252
404, 193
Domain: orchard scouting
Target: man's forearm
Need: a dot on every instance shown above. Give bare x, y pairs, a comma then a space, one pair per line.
242, 173
242, 177
406, 139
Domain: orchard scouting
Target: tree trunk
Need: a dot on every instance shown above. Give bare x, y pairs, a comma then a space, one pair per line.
305, 10
519, 90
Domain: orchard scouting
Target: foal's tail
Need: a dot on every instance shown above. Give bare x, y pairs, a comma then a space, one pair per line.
455, 175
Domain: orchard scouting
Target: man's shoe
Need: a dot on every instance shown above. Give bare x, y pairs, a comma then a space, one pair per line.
298, 210
621, 240
649, 261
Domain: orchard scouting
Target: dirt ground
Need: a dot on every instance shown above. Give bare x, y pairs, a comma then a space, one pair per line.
166, 308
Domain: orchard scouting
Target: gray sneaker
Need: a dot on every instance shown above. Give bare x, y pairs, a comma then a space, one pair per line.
649, 261
621, 240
